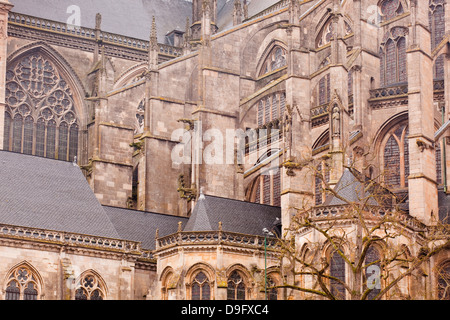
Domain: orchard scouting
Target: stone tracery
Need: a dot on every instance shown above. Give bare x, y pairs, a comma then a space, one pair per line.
40, 110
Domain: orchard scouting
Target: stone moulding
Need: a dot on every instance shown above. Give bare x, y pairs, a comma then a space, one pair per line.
80, 243
213, 238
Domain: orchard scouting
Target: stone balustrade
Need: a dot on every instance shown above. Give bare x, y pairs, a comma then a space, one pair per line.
214, 238
64, 238
273, 8
24, 20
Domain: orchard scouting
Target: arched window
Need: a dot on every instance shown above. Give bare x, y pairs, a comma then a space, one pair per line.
272, 292
396, 157
270, 108
28, 135
22, 284
391, 9
373, 273
326, 34
436, 15
267, 189
201, 288
90, 287
393, 57
275, 60
337, 271
236, 287
140, 113
324, 93
443, 282
40, 103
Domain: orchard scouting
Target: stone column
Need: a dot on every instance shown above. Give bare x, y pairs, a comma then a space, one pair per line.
339, 118
423, 201
5, 7
297, 180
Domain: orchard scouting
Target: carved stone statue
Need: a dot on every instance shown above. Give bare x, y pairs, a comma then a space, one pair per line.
336, 120
98, 21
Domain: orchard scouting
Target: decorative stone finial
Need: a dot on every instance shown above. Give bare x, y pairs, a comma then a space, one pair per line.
153, 34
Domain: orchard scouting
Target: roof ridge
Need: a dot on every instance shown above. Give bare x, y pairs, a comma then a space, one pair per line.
242, 201
139, 211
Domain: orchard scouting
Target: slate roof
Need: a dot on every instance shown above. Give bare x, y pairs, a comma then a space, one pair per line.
49, 194
236, 216
350, 188
133, 18
225, 10
141, 226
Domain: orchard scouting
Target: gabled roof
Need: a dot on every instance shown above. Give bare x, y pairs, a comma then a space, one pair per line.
49, 194
141, 226
236, 216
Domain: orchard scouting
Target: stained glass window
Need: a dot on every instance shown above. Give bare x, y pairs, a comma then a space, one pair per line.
201, 289
22, 284
236, 287
392, 163
12, 291
30, 292
390, 9
51, 137
90, 287
272, 292
270, 108
396, 158
436, 15
373, 273
41, 103
337, 270
444, 282
63, 136
7, 132
275, 60
73, 142
393, 57
17, 133
28, 135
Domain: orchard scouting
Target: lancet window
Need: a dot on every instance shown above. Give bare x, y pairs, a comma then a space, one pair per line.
201, 288
393, 57
271, 108
436, 15
236, 287
337, 271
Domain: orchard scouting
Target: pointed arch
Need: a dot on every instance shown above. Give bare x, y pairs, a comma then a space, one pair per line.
393, 62
42, 86
90, 286
239, 282
63, 66
133, 74
200, 279
273, 58
324, 29
23, 282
